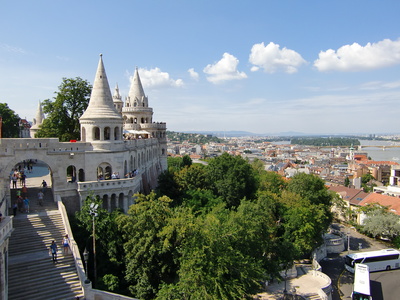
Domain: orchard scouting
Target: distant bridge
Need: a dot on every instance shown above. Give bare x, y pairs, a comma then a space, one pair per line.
380, 146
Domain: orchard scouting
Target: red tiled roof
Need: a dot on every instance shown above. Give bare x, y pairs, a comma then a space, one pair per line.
385, 200
353, 196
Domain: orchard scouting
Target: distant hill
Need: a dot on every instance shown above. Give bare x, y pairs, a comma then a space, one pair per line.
233, 133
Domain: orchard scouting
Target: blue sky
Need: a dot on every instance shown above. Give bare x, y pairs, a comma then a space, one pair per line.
316, 67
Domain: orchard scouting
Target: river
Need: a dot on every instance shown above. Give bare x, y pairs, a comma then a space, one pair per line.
378, 154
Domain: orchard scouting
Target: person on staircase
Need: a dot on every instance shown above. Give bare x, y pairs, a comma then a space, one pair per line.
53, 250
26, 204
66, 244
40, 198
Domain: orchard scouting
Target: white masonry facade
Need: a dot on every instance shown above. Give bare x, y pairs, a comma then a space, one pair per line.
121, 150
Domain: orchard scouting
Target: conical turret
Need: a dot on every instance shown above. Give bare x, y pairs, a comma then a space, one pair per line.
136, 97
37, 121
101, 121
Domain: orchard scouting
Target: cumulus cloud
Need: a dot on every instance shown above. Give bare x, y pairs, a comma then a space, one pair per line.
272, 59
358, 58
155, 78
193, 74
224, 69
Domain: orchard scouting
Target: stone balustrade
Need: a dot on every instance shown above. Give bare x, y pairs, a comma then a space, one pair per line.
6, 227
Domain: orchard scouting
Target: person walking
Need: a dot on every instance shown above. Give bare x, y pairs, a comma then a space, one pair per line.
44, 186
40, 198
15, 207
26, 204
66, 244
53, 250
14, 179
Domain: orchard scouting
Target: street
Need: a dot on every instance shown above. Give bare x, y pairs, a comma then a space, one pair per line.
384, 285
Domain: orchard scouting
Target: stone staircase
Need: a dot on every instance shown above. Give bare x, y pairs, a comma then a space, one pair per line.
32, 273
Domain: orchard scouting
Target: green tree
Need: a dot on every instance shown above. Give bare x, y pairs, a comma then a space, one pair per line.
232, 178
109, 243
62, 114
346, 181
367, 182
382, 223
148, 262
10, 126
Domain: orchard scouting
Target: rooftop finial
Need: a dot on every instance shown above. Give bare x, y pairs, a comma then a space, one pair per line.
101, 54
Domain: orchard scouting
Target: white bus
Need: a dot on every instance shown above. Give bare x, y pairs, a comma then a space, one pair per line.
361, 288
379, 260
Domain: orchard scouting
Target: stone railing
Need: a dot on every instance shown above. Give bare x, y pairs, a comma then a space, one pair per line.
89, 291
8, 146
99, 185
6, 228
325, 292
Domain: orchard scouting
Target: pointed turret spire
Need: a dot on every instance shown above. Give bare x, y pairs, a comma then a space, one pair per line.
116, 95
101, 102
136, 92
37, 121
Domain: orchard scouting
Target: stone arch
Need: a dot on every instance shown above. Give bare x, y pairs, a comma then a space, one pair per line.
71, 173
81, 175
107, 133
116, 133
113, 202
96, 133
105, 202
121, 201
104, 171
83, 134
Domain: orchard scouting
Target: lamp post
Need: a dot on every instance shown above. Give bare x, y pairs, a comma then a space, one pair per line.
93, 213
86, 258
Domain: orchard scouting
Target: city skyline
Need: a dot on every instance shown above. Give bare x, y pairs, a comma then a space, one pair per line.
259, 66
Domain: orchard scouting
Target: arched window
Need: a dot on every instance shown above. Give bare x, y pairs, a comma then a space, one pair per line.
71, 174
121, 202
105, 202
96, 133
113, 202
81, 176
107, 133
83, 134
116, 133
135, 120
162, 151
125, 168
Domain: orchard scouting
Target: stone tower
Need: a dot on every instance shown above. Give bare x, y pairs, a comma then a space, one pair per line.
101, 124
117, 99
37, 121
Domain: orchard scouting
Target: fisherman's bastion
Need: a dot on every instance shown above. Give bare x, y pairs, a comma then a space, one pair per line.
121, 152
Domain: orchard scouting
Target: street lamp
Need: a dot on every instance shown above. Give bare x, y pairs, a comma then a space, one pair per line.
86, 258
93, 213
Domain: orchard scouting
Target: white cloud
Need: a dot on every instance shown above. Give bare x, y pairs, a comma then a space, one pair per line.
13, 49
358, 58
225, 69
193, 74
272, 59
155, 78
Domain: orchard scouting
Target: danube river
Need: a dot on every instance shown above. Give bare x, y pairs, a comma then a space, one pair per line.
379, 154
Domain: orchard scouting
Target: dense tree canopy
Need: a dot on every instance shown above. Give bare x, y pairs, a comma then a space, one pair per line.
10, 125
217, 232
62, 114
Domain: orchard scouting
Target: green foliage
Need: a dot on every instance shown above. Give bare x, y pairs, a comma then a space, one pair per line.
325, 142
346, 181
382, 223
232, 178
10, 127
148, 263
194, 138
62, 114
109, 249
111, 282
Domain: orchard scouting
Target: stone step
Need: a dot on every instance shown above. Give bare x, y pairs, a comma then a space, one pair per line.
32, 273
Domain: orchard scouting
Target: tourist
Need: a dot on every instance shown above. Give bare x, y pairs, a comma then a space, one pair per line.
40, 198
66, 243
26, 204
53, 250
